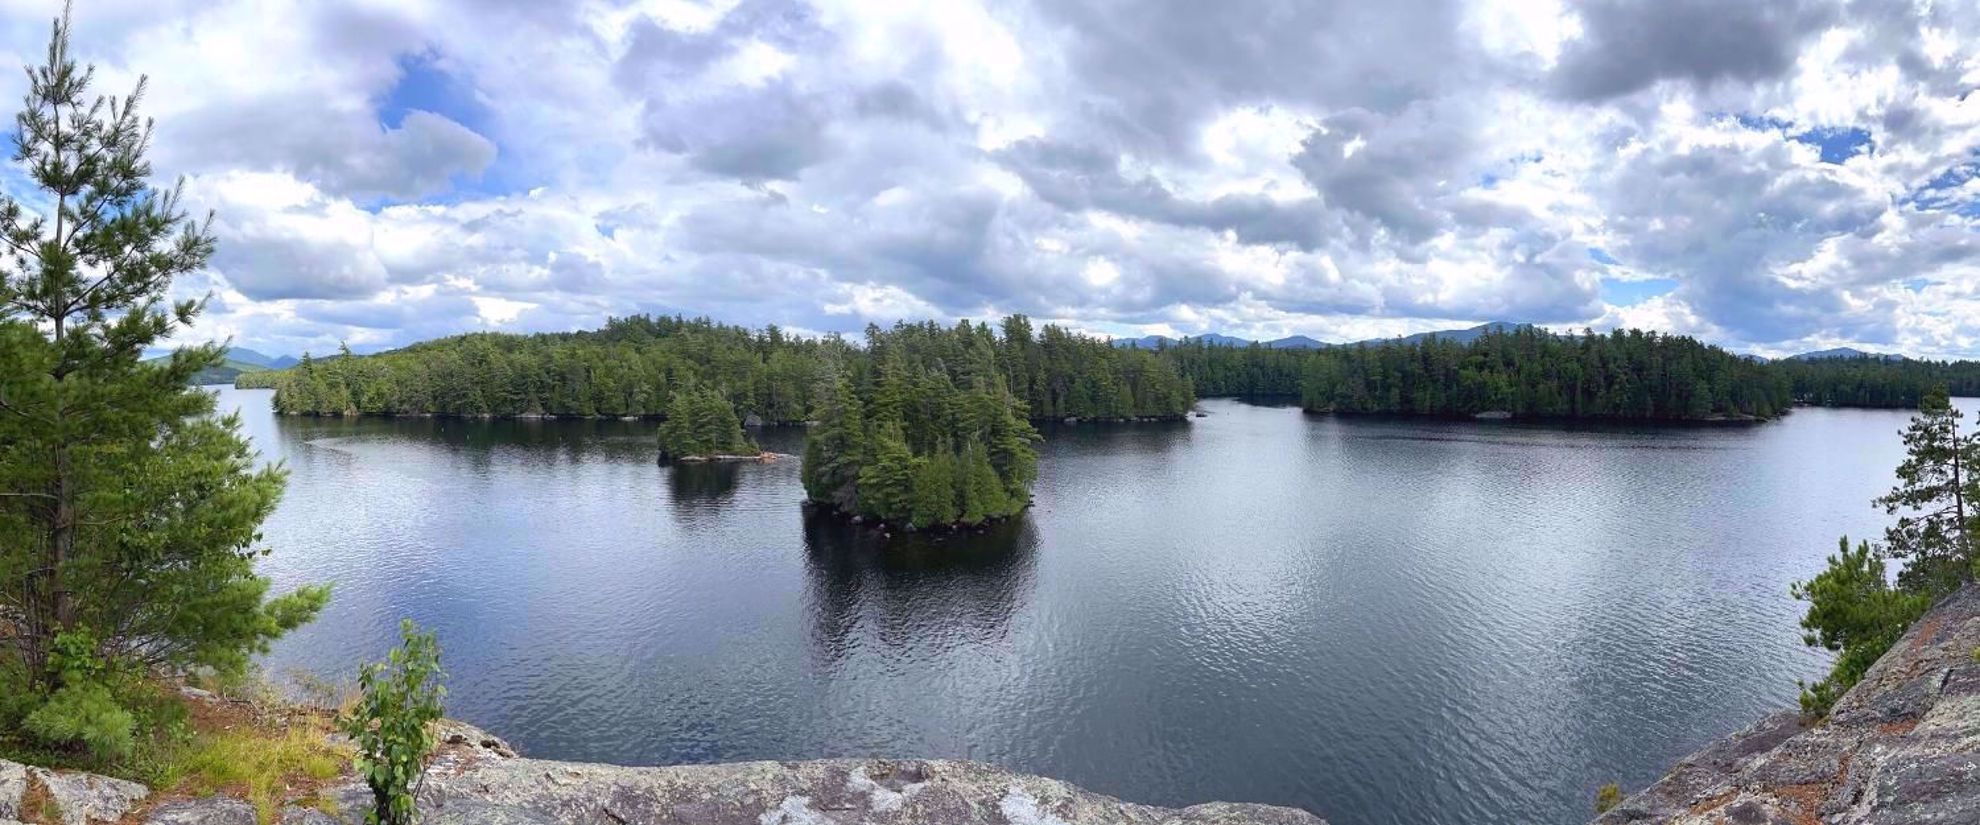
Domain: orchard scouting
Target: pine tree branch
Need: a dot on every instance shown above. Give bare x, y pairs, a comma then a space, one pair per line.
5, 405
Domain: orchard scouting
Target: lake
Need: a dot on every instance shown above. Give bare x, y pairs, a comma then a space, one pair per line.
1379, 620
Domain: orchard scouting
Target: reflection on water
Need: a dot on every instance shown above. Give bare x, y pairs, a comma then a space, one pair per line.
930, 590
1384, 621
699, 485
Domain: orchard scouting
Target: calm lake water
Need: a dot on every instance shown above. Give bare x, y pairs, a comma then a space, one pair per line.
1382, 621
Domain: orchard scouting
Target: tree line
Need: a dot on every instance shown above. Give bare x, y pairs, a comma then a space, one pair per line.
1248, 371
636, 366
1528, 372
1873, 381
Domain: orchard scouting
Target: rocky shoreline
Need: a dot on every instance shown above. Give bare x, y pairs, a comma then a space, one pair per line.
477, 779
1900, 748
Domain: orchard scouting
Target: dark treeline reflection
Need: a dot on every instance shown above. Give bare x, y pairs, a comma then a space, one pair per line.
478, 439
929, 591
707, 484
1147, 437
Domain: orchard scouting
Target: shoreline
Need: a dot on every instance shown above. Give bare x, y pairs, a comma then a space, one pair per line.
1503, 416
887, 530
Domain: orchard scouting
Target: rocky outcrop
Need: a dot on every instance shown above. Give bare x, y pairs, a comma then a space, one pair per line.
476, 779
13, 790
493, 790
84, 798
1900, 748
80, 798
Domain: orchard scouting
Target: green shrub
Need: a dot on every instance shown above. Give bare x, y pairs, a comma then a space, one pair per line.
1852, 609
401, 697
17, 696
83, 710
1606, 797
87, 715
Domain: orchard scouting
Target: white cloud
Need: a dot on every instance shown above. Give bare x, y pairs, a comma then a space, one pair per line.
382, 172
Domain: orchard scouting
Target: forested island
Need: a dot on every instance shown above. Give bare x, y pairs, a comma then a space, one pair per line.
701, 425
923, 431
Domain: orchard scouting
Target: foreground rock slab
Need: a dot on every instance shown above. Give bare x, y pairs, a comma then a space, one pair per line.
13, 790
477, 781
85, 798
1901, 748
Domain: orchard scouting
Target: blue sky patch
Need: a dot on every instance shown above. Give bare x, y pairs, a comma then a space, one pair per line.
1630, 293
1838, 144
1601, 256
1941, 192
425, 86
1762, 123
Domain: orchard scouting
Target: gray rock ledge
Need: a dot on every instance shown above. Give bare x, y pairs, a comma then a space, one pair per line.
477, 779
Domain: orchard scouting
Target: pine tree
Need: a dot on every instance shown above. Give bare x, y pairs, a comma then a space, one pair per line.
935, 493
1937, 494
1011, 454
983, 495
836, 448
1854, 611
716, 426
679, 437
886, 482
128, 510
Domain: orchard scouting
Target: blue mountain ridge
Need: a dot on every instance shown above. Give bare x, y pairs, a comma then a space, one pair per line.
1843, 352
1461, 336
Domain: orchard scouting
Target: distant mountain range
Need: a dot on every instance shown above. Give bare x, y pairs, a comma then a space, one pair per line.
1211, 338
1843, 352
248, 356
1461, 336
238, 360
1295, 342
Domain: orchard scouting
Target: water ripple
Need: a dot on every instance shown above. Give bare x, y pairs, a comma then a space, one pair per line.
1381, 620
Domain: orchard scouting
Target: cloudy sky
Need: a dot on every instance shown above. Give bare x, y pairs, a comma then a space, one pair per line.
1772, 176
